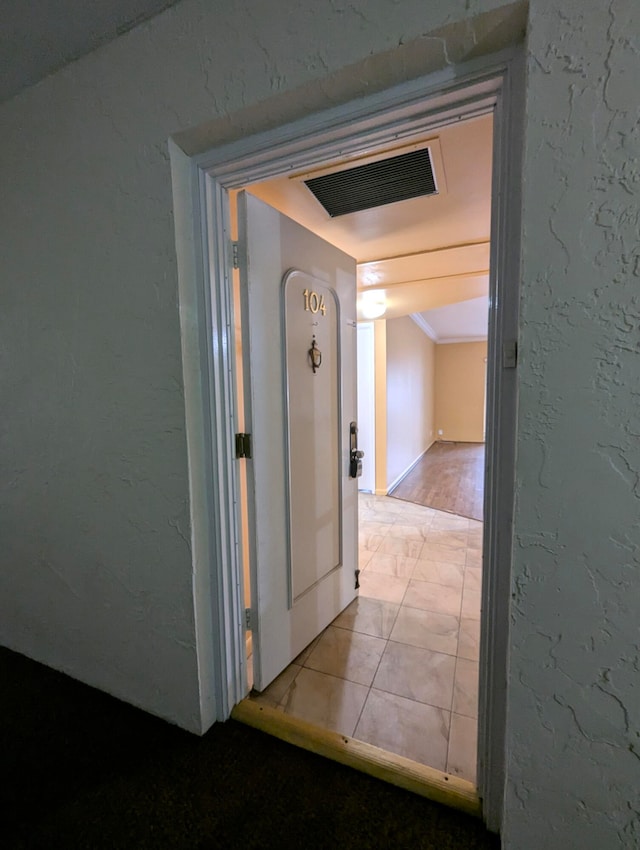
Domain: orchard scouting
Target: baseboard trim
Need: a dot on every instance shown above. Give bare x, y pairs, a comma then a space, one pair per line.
417, 778
403, 475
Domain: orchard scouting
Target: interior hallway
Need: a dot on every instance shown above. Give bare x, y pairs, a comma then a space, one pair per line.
448, 477
399, 667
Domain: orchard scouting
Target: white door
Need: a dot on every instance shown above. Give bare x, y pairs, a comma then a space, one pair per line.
299, 355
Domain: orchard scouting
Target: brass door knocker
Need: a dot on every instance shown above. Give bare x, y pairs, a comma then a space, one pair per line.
315, 355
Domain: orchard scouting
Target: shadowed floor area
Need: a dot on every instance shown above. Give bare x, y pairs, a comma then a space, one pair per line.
449, 477
83, 770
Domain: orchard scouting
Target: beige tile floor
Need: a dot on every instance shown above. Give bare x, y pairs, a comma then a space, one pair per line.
399, 667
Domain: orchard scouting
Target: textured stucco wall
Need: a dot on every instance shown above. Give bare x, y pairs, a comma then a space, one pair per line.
574, 701
96, 566
96, 573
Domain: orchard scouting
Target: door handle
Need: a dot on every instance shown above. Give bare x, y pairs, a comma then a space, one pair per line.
355, 456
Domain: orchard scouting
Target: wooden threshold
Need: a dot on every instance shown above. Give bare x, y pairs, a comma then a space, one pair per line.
397, 770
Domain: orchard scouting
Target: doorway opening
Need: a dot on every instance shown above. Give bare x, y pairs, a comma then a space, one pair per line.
399, 667
398, 117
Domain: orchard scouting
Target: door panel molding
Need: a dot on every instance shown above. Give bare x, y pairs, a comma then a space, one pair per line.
488, 84
297, 439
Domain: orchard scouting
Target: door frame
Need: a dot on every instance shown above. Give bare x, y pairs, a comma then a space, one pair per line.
369, 447
204, 247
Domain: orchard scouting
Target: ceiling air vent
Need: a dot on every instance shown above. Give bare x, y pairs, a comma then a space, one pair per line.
384, 181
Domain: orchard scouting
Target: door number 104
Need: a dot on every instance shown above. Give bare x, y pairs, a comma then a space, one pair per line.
314, 302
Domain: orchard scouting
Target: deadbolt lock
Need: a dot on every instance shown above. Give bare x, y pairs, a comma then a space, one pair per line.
355, 456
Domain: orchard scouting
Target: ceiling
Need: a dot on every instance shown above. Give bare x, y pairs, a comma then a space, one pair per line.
426, 254
466, 320
38, 37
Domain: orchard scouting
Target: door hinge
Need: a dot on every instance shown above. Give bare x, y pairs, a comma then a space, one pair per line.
243, 445
248, 619
357, 572
509, 354
234, 254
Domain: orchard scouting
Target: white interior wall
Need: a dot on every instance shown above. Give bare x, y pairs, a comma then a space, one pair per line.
367, 406
97, 573
411, 358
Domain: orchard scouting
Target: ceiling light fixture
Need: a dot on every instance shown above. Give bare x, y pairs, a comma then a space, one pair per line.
373, 304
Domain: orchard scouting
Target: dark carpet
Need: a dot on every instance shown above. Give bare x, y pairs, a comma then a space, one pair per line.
83, 770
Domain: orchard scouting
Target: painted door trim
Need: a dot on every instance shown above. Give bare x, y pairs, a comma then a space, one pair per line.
501, 413
492, 83
369, 402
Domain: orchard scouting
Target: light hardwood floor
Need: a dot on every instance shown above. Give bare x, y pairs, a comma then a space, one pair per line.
449, 477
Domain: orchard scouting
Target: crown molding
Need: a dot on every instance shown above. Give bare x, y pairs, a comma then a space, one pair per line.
424, 326
451, 339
